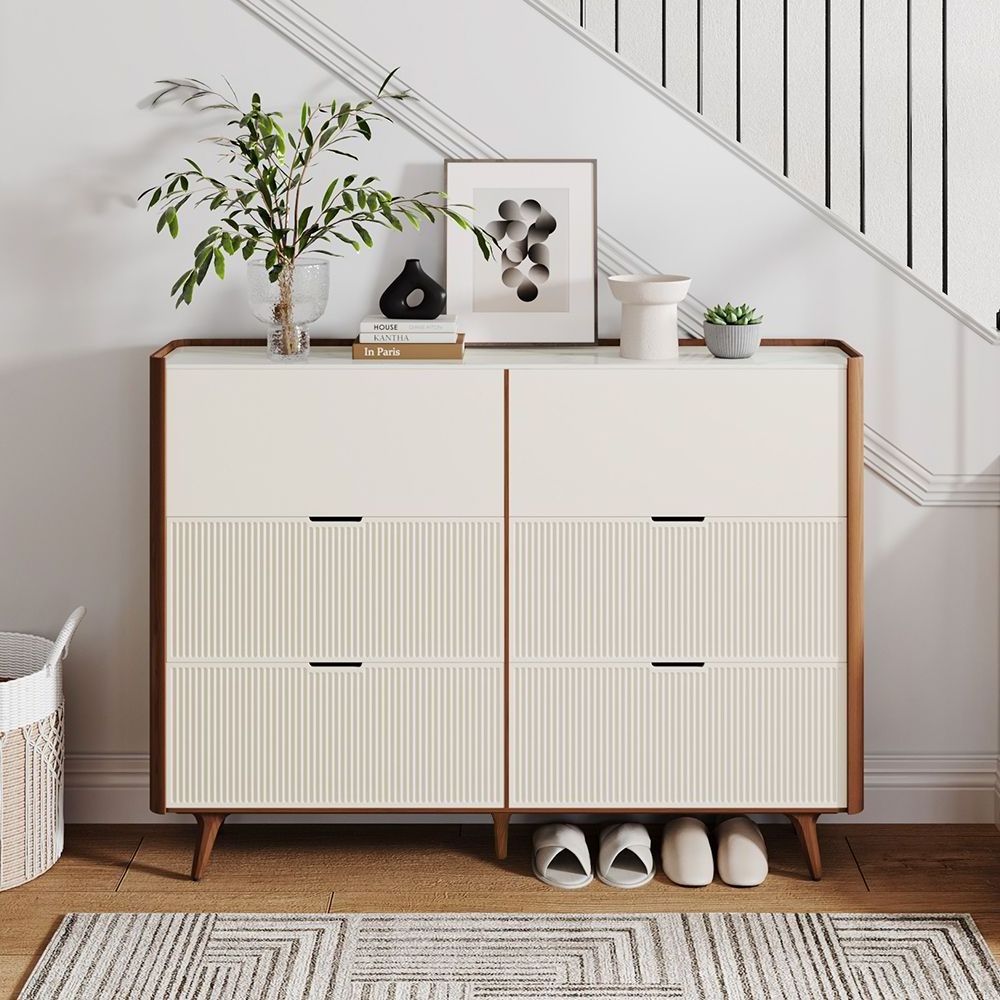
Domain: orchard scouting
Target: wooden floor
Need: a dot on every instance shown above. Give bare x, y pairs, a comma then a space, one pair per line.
310, 868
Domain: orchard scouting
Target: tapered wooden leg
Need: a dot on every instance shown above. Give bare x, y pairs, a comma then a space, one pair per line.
208, 829
501, 825
805, 829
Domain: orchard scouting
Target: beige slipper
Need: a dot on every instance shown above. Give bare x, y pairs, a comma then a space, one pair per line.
625, 858
560, 858
686, 853
741, 852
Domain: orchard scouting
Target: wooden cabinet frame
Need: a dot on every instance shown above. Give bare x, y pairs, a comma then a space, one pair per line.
209, 821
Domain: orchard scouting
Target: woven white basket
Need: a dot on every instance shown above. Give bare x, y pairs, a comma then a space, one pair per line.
31, 752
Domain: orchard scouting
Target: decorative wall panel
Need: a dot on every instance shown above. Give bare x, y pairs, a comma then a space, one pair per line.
805, 97
762, 109
717, 53
681, 51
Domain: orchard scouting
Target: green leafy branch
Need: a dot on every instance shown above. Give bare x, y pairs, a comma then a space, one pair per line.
260, 200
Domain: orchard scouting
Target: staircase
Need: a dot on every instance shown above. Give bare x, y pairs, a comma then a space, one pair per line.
872, 109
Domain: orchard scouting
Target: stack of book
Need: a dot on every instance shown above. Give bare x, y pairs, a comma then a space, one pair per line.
382, 339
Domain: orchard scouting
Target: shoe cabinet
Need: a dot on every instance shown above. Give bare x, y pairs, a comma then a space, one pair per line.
539, 581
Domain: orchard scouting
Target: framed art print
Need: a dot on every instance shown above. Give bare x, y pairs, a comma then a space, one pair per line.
541, 285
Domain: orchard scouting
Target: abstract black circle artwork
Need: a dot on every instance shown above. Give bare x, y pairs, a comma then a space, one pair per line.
521, 230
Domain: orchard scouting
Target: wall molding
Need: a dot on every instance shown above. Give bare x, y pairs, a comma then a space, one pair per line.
929, 489
987, 333
899, 788
452, 139
919, 788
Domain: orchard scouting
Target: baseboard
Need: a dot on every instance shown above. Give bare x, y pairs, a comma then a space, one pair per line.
996, 799
926, 789
114, 788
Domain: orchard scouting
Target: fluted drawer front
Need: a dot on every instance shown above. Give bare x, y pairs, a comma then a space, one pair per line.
719, 589
251, 589
289, 736
719, 736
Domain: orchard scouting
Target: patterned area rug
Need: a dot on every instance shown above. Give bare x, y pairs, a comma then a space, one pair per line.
729, 956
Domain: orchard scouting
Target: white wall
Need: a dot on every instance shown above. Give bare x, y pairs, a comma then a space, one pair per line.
84, 291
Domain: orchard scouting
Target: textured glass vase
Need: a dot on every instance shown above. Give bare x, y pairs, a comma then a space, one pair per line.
287, 306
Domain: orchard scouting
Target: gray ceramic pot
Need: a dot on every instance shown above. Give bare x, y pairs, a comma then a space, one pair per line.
732, 341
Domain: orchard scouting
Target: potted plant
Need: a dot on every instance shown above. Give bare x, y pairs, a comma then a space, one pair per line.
732, 331
266, 215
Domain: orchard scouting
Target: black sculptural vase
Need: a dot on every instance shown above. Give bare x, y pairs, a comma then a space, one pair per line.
393, 302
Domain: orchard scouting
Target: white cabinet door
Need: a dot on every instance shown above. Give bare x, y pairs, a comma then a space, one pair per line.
721, 736
718, 589
294, 736
654, 442
293, 589
329, 442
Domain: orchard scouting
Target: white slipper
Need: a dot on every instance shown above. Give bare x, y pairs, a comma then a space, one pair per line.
686, 853
559, 856
741, 851
625, 857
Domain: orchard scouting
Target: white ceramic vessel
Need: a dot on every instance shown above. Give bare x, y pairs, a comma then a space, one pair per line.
649, 313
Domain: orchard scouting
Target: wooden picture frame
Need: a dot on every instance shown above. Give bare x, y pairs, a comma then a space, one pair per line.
561, 309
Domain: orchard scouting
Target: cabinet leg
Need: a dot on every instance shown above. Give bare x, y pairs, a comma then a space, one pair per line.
501, 825
805, 829
208, 829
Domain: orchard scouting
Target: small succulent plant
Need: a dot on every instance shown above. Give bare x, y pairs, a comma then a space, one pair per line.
730, 315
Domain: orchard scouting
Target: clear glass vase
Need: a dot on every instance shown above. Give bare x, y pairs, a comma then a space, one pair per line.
287, 306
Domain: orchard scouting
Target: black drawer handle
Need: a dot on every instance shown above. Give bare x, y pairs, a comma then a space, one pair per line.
337, 517
677, 663
356, 664
654, 517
